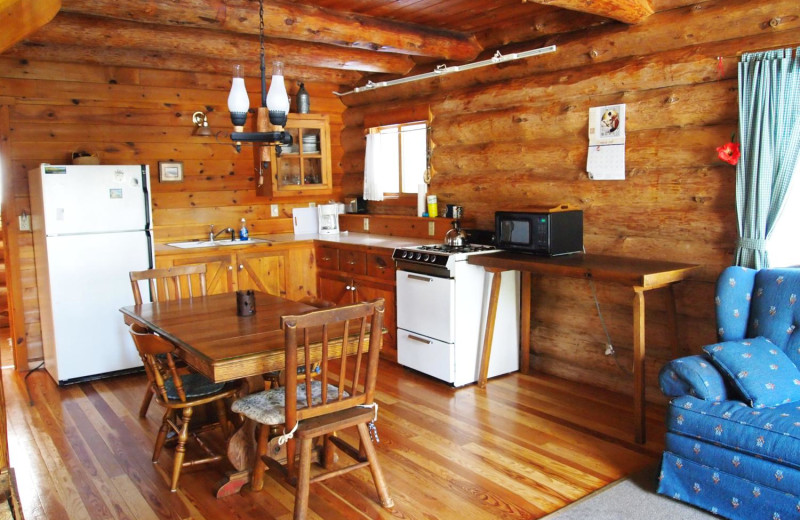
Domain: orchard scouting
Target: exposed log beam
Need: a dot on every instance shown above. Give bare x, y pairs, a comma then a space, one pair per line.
169, 61
71, 29
19, 18
627, 11
291, 21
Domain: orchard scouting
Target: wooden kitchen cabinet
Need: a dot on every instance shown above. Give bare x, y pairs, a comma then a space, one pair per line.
351, 274
305, 168
231, 271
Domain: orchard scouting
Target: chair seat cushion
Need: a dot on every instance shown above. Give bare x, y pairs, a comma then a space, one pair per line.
268, 407
194, 386
771, 433
759, 369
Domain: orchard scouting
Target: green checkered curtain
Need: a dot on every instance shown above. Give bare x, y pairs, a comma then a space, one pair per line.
769, 135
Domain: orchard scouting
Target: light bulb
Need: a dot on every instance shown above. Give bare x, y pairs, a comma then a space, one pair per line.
277, 98
238, 102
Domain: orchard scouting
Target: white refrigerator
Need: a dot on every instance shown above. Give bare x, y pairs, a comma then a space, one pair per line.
91, 226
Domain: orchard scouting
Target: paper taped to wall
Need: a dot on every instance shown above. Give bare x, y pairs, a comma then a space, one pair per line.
606, 156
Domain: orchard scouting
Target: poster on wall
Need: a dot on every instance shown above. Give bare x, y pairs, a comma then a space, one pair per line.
606, 156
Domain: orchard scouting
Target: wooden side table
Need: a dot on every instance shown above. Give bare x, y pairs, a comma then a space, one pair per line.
640, 274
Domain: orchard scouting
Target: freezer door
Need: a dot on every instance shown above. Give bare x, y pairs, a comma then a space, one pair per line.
94, 199
89, 282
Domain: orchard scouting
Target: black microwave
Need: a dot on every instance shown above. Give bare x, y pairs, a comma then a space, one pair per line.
547, 232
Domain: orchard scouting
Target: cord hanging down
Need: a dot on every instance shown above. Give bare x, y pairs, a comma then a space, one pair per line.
444, 69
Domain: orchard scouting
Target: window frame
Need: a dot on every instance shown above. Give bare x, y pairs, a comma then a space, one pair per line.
426, 175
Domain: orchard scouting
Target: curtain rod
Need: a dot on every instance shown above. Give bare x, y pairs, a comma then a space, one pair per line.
444, 69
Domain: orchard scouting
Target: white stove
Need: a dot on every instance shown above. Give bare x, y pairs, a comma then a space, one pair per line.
441, 313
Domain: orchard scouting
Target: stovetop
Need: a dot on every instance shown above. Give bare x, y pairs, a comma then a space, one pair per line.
440, 255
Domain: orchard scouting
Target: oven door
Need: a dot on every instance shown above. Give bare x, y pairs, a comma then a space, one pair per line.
425, 305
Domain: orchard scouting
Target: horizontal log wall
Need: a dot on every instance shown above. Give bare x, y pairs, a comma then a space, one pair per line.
140, 116
515, 136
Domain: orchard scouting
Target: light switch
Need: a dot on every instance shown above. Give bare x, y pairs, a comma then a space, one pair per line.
366, 224
431, 228
24, 222
273, 209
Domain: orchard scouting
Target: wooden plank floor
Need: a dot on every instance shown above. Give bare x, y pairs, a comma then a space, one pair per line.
526, 446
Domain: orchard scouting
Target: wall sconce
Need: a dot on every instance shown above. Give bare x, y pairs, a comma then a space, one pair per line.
201, 125
276, 101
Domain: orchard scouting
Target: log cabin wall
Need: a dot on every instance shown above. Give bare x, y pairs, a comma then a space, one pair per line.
515, 136
139, 116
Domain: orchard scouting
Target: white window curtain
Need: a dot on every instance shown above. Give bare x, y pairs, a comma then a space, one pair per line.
372, 183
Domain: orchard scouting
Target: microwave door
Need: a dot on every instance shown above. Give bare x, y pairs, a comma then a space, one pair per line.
506, 231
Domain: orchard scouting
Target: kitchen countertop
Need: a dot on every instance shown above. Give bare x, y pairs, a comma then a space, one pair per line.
348, 238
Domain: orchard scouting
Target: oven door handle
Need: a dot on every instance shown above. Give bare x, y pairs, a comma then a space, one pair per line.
420, 278
421, 340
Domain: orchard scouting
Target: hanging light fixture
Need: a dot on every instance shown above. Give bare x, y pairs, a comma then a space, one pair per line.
275, 102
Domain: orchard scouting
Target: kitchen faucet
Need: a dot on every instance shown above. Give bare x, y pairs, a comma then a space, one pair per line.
212, 236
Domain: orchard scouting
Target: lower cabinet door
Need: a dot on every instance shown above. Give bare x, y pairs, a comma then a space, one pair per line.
337, 290
426, 355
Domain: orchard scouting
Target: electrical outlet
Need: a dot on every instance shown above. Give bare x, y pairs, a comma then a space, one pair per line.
366, 224
273, 210
431, 228
312, 204
24, 222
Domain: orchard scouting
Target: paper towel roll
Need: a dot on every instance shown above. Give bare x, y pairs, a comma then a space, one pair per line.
422, 206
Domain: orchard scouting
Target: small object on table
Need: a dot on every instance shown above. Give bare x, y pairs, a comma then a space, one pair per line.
245, 303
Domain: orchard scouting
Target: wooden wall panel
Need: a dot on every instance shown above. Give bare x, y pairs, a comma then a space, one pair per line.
142, 116
516, 137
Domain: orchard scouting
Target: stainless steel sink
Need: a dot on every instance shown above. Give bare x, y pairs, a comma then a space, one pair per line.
193, 244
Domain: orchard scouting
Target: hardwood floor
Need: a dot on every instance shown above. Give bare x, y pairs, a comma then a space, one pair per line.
526, 446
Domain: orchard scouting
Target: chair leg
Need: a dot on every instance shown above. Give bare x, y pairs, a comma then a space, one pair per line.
303, 480
259, 467
148, 396
162, 434
222, 416
180, 449
374, 466
328, 451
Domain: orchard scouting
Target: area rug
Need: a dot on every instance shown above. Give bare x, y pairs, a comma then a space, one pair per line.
630, 498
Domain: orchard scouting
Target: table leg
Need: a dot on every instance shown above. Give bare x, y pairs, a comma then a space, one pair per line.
491, 314
638, 365
672, 321
525, 322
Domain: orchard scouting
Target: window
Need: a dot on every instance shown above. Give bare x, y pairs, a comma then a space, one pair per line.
783, 246
402, 157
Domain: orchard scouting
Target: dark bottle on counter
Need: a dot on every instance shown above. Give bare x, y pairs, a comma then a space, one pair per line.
302, 100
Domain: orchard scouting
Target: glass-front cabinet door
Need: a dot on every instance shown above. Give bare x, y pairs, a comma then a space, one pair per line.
305, 165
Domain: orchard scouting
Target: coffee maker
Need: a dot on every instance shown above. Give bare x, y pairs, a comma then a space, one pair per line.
328, 219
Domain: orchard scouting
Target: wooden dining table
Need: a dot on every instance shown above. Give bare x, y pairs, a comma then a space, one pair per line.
218, 343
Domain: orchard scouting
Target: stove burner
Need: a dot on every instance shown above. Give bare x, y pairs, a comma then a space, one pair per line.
444, 248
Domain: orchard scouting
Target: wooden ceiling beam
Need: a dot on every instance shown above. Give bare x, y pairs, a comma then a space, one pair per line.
72, 29
290, 21
162, 60
19, 18
626, 11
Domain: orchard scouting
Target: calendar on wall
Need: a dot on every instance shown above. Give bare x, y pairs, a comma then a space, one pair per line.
606, 154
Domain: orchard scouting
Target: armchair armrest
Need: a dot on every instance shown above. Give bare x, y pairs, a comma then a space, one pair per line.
692, 375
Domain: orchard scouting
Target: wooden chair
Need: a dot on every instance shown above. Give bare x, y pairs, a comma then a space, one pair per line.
180, 392
170, 283
167, 284
328, 404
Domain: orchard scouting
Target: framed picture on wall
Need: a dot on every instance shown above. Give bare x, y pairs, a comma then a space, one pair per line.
170, 171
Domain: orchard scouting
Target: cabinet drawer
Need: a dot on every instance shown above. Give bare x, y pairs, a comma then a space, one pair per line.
380, 266
327, 258
354, 262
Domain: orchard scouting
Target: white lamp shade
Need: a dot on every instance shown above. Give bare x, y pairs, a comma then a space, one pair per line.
277, 98
237, 99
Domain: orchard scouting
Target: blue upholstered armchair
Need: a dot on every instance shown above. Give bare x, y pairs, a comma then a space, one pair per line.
733, 424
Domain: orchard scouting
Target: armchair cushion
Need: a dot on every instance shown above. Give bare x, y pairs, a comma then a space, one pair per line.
692, 375
759, 369
194, 385
733, 297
